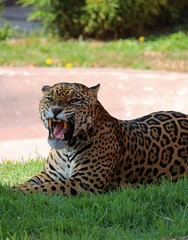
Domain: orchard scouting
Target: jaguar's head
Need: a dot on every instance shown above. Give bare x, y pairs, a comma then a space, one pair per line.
67, 110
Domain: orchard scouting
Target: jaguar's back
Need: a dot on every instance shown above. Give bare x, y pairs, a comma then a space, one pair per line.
153, 146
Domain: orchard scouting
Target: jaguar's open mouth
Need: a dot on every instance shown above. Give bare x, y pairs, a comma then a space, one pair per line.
60, 129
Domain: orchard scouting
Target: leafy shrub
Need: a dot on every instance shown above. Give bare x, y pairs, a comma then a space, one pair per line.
6, 31
131, 17
61, 17
121, 17
101, 18
1, 5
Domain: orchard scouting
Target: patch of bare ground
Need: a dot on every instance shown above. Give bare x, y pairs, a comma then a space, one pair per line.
166, 61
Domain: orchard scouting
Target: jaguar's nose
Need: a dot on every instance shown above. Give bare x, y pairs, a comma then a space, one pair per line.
56, 110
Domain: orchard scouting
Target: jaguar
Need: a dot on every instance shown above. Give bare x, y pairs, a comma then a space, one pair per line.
93, 152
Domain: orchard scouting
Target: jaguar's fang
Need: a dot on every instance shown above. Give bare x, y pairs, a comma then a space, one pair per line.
65, 124
50, 122
52, 136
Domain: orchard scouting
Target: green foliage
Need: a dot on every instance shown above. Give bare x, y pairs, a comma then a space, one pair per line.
100, 16
155, 212
6, 31
61, 17
1, 5
120, 17
106, 18
174, 11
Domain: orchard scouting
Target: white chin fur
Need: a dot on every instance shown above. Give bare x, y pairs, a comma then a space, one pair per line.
57, 143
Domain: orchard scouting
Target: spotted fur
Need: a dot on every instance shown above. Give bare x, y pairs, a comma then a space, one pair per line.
100, 152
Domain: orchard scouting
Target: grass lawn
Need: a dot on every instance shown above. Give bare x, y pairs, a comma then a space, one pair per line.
155, 212
162, 53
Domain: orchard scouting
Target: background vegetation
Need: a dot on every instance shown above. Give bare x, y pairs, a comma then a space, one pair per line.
162, 53
77, 27
155, 212
107, 18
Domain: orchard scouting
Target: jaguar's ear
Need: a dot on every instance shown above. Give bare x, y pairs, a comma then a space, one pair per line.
95, 89
45, 88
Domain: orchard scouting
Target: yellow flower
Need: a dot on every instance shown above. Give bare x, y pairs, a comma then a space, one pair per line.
8, 162
48, 61
141, 39
68, 65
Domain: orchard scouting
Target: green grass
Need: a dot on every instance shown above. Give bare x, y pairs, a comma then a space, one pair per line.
155, 212
163, 53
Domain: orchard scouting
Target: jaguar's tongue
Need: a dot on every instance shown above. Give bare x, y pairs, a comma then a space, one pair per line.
60, 129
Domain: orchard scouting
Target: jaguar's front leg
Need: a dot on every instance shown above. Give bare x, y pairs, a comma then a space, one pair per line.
74, 186
38, 179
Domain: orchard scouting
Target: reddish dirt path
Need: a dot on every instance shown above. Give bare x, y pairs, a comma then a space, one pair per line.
126, 94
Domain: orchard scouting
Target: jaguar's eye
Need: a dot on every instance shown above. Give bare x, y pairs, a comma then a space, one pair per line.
75, 100
50, 99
